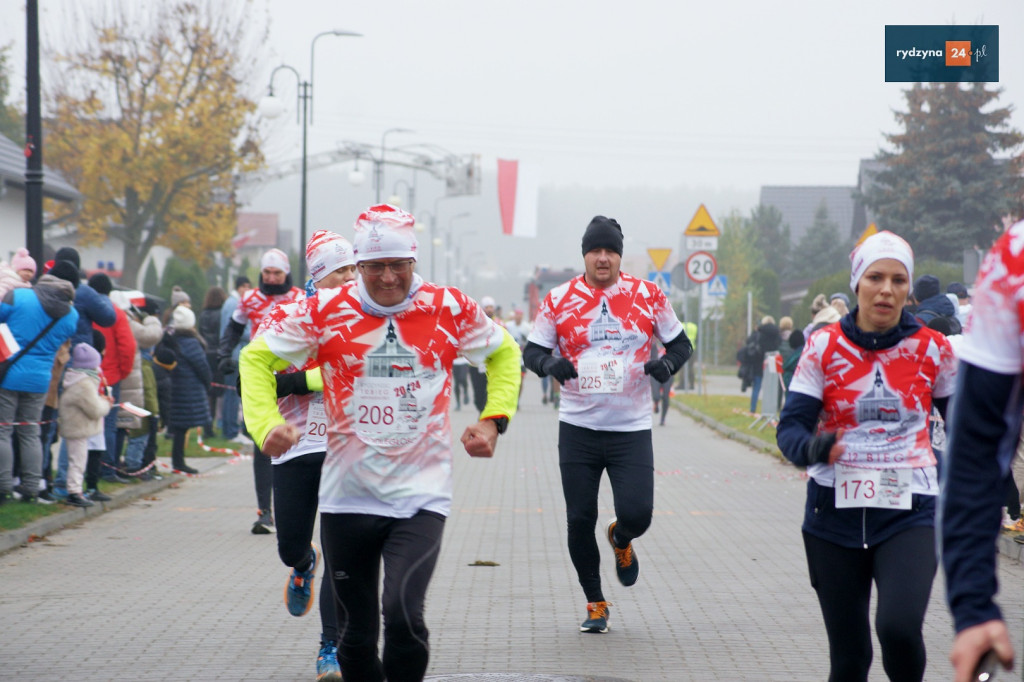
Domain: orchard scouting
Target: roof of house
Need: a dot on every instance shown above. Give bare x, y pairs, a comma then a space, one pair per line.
798, 205
259, 230
12, 173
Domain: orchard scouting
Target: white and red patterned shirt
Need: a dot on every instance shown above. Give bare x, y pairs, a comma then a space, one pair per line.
994, 336
607, 334
880, 399
255, 305
387, 383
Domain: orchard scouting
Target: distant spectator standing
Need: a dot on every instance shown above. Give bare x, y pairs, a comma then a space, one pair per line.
792, 356
208, 325
147, 331
931, 302
231, 404
40, 319
179, 297
82, 409
768, 342
963, 300
841, 302
92, 308
824, 314
785, 329
117, 364
477, 378
190, 381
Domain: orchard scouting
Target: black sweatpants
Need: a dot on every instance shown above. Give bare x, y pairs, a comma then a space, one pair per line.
583, 455
354, 545
903, 568
296, 496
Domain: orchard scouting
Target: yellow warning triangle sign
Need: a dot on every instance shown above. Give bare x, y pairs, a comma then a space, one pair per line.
659, 257
702, 225
868, 231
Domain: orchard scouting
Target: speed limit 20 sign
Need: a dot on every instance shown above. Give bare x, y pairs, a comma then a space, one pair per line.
701, 267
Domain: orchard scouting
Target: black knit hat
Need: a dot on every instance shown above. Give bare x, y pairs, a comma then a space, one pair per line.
101, 283
65, 270
99, 342
926, 287
602, 233
69, 254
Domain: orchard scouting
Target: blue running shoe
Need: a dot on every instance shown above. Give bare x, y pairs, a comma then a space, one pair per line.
627, 566
597, 617
327, 669
60, 493
298, 593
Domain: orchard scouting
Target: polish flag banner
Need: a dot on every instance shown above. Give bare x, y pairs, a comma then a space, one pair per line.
517, 198
8, 345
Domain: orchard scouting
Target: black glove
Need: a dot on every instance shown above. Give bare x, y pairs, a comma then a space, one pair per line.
659, 369
227, 366
293, 383
559, 369
819, 446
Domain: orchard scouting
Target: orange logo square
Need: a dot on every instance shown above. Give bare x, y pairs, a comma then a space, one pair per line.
958, 53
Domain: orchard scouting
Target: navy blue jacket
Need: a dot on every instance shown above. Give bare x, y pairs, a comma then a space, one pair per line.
91, 307
798, 424
984, 423
190, 382
936, 306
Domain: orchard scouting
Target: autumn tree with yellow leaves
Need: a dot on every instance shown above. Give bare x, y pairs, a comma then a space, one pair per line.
148, 118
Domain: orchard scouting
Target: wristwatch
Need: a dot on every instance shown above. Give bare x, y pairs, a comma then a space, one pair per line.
501, 423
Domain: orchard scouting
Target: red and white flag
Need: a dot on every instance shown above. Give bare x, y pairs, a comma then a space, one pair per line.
8, 345
517, 197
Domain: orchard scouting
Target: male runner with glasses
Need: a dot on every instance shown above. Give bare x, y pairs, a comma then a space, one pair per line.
385, 346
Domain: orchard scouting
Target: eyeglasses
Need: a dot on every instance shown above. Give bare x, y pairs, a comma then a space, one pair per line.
398, 267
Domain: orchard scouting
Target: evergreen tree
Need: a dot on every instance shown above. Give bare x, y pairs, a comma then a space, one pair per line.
822, 250
151, 281
772, 238
943, 189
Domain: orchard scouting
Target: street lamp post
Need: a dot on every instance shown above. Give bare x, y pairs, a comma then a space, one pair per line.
271, 107
448, 248
380, 164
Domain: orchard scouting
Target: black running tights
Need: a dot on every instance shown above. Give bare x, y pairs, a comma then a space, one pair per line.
903, 568
354, 545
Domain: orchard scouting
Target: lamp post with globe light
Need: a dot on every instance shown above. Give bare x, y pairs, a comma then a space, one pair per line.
272, 107
380, 163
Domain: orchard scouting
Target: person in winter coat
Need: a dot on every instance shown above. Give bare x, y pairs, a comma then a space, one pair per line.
190, 381
857, 416
208, 325
10, 276
92, 308
768, 340
931, 302
146, 331
28, 313
118, 360
82, 408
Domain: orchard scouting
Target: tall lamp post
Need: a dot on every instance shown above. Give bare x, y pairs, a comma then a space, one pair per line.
272, 107
380, 164
448, 248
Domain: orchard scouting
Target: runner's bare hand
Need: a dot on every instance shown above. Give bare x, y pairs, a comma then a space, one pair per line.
480, 438
280, 439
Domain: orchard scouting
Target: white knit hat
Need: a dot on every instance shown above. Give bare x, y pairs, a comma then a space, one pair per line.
384, 232
326, 252
875, 248
275, 258
183, 318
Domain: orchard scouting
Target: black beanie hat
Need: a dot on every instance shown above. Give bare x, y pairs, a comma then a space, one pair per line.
602, 233
69, 254
926, 287
101, 283
66, 271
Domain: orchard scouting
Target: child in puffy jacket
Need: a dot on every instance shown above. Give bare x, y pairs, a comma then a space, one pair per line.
82, 407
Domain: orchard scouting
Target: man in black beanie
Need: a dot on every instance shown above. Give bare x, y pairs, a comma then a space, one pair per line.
603, 323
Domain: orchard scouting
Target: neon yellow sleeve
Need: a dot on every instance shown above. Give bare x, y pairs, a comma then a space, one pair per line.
256, 366
503, 379
315, 380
